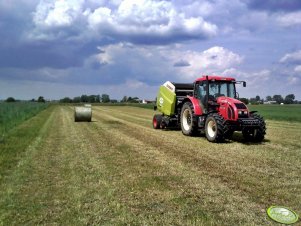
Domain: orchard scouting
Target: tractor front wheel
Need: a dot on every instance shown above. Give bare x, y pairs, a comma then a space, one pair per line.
214, 128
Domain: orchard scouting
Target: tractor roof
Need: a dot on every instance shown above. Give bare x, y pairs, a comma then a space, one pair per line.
216, 78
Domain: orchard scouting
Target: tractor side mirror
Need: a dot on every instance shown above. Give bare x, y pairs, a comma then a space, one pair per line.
244, 84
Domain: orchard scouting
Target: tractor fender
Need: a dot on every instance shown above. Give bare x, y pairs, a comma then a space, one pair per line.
196, 104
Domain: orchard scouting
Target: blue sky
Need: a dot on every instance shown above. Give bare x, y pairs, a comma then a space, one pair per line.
130, 47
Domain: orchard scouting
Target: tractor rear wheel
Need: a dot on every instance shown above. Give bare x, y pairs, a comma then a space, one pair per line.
157, 120
214, 128
188, 123
255, 135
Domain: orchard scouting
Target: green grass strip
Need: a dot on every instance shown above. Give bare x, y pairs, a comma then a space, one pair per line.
18, 139
13, 114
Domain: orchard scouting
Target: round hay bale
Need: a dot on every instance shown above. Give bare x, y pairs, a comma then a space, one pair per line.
82, 114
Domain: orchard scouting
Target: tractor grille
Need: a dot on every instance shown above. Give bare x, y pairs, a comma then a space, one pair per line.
230, 112
240, 106
249, 122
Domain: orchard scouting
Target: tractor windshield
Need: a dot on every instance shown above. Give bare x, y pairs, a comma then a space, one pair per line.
218, 89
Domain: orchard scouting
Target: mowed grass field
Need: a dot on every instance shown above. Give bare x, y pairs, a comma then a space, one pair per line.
118, 170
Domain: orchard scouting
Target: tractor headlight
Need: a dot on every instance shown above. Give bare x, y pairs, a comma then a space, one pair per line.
242, 112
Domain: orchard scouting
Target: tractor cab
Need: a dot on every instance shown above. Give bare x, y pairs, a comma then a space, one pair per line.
208, 89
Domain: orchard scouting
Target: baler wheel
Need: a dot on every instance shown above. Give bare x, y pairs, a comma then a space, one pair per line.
188, 122
157, 120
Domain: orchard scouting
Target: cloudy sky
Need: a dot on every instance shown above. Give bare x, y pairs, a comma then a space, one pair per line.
129, 47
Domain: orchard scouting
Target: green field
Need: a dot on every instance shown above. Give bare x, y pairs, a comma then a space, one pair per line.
118, 170
291, 112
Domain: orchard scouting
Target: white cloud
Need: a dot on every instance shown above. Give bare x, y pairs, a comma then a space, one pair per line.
143, 21
297, 68
211, 61
291, 57
57, 13
101, 15
253, 78
293, 80
197, 8
258, 82
149, 19
160, 63
289, 19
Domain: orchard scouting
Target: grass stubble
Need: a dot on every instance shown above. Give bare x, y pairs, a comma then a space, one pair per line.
118, 170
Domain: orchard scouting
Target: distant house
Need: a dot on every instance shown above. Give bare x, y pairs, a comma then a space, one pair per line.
270, 102
146, 101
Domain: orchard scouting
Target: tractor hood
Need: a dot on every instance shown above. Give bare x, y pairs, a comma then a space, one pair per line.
228, 100
232, 109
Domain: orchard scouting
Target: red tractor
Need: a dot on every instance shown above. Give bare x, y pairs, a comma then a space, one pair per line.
209, 105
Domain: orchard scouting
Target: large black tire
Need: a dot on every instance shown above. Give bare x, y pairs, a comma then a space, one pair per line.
188, 122
157, 120
255, 135
228, 134
215, 128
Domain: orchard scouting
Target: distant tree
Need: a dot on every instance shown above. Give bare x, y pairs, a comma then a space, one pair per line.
10, 99
257, 98
244, 100
268, 98
91, 98
253, 100
97, 98
133, 99
105, 98
289, 99
94, 98
32, 100
124, 99
278, 98
41, 99
114, 101
84, 98
76, 100
66, 100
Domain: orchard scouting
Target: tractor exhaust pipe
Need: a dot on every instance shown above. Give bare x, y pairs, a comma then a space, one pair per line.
207, 92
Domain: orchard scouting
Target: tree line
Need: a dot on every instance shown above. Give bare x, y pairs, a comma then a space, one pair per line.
104, 98
87, 99
12, 99
277, 99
